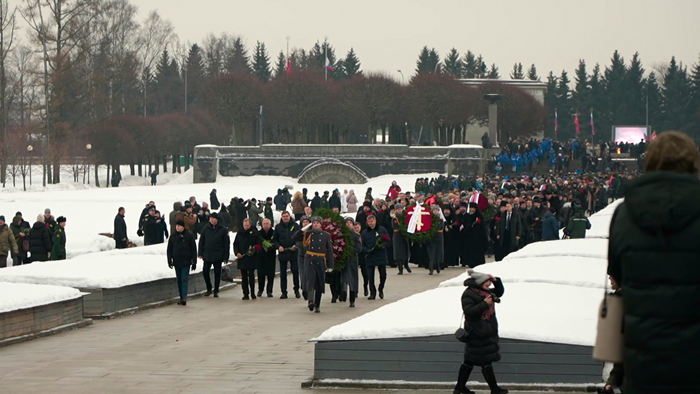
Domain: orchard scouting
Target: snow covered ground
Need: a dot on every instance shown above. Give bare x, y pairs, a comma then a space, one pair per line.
92, 259
14, 296
542, 312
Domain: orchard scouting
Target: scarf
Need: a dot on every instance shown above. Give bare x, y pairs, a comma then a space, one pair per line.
492, 308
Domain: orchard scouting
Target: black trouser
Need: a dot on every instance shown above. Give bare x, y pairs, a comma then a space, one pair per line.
266, 272
121, 244
217, 275
382, 278
248, 281
334, 284
283, 275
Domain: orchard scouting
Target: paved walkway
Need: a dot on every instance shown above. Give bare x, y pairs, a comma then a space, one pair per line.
222, 345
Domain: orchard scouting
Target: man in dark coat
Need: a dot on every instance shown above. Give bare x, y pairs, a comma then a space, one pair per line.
182, 256
315, 202
536, 218
474, 240
481, 348
151, 227
334, 200
509, 230
58, 251
398, 241
247, 246
318, 261
280, 201
361, 216
214, 200
550, 226
578, 224
268, 258
214, 250
120, 238
39, 241
287, 253
241, 213
374, 240
654, 255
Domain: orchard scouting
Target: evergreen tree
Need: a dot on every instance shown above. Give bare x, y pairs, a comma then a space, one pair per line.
581, 93
517, 72
597, 100
481, 67
281, 65
550, 101
352, 64
653, 102
634, 90
695, 86
261, 63
565, 108
434, 61
166, 95
453, 64
614, 82
532, 73
428, 60
471, 66
237, 60
493, 72
195, 75
678, 111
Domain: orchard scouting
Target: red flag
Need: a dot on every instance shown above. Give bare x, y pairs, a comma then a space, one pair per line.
289, 67
556, 123
578, 130
653, 135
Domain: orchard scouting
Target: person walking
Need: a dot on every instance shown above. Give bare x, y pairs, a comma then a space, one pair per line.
398, 242
247, 246
8, 244
550, 227
436, 251
172, 217
58, 252
213, 250
509, 230
287, 253
268, 258
350, 280
39, 241
214, 200
578, 224
120, 238
374, 240
318, 260
182, 256
481, 348
653, 255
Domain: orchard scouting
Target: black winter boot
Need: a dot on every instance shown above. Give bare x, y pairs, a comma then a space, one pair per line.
490, 377
462, 378
352, 298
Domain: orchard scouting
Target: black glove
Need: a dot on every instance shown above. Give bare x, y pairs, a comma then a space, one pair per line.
194, 266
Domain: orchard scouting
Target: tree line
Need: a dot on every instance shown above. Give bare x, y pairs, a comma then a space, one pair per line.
90, 73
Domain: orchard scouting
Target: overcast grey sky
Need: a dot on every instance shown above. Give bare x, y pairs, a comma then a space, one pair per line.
388, 34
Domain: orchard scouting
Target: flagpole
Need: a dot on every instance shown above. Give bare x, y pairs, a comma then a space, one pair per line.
325, 60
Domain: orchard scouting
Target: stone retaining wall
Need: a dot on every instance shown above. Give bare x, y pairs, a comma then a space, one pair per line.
44, 318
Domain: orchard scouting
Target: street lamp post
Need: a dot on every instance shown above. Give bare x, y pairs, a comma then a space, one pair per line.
403, 81
30, 149
88, 147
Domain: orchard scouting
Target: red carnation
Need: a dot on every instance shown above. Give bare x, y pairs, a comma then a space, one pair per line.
479, 220
386, 237
258, 248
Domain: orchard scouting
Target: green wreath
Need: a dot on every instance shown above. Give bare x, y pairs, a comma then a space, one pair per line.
423, 237
341, 237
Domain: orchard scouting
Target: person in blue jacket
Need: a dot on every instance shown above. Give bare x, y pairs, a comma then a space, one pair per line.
550, 226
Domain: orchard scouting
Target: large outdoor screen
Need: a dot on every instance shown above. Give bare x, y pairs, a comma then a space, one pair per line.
629, 134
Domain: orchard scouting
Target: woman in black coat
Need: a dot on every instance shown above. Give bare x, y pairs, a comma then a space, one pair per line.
451, 239
39, 241
654, 255
481, 349
247, 247
268, 260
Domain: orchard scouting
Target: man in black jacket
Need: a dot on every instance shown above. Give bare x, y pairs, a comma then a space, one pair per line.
151, 227
182, 254
214, 250
375, 240
509, 230
120, 237
282, 238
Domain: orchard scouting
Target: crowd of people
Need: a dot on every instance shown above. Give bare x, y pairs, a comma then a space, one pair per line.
24, 244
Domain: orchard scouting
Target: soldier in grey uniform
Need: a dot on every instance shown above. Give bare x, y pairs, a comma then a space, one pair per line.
318, 260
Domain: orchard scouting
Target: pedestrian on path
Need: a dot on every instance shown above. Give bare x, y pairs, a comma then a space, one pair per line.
214, 251
59, 240
182, 256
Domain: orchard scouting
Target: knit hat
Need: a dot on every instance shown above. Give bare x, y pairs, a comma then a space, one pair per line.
47, 210
479, 277
40, 218
2, 217
214, 215
180, 223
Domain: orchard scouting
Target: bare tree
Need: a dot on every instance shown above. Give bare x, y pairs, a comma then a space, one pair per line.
8, 26
155, 36
24, 67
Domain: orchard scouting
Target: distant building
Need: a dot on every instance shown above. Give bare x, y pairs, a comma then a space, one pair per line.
536, 88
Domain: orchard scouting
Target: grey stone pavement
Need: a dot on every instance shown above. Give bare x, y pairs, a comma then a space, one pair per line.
222, 345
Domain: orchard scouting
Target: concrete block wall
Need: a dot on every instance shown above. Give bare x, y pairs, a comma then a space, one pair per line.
45, 317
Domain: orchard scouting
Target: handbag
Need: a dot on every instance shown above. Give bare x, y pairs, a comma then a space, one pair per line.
25, 245
610, 340
462, 334
227, 273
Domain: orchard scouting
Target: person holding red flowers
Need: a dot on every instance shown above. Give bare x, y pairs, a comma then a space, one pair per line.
375, 240
247, 245
394, 190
